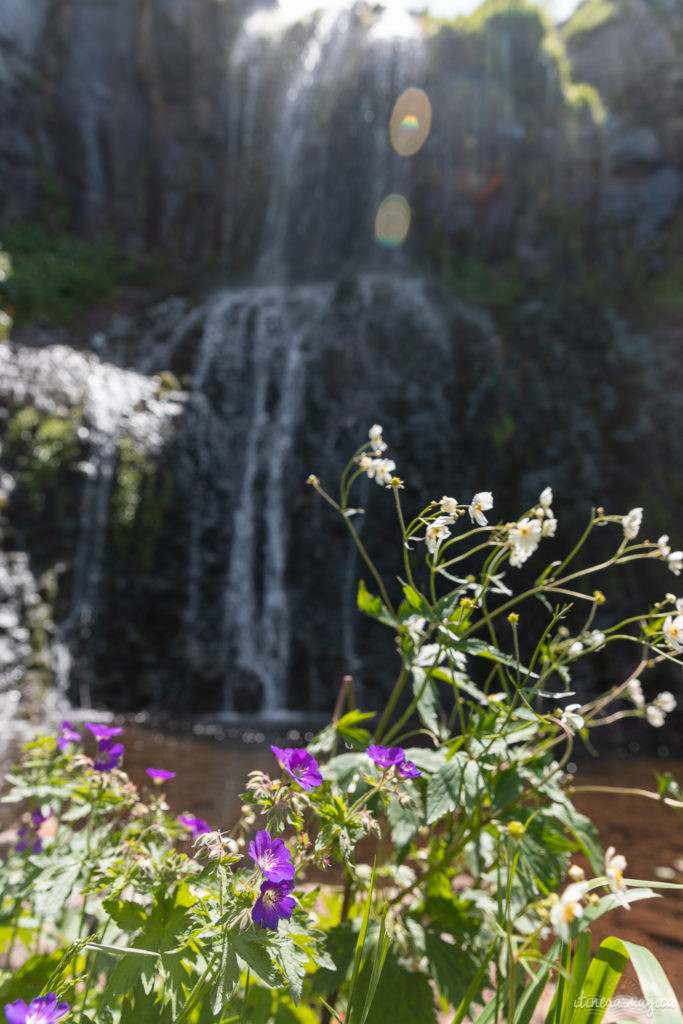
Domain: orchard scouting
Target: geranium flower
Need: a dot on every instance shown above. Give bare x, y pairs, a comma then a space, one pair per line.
272, 856
42, 1010
273, 903
196, 825
409, 770
303, 768
67, 735
103, 732
568, 909
631, 523
386, 757
481, 502
109, 755
159, 774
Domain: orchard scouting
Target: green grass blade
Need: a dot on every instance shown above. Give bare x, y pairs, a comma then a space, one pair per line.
656, 987
602, 978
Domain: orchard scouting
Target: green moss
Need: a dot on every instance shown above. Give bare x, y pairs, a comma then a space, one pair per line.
140, 500
665, 290
482, 284
42, 445
588, 16
57, 276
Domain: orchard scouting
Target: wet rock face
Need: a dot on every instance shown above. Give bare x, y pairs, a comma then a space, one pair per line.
193, 130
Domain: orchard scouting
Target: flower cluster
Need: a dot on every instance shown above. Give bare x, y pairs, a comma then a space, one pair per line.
525, 535
393, 757
109, 754
274, 860
42, 1010
67, 735
631, 523
298, 763
568, 907
674, 559
374, 466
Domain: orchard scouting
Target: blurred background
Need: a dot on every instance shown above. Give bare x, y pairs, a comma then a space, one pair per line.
236, 235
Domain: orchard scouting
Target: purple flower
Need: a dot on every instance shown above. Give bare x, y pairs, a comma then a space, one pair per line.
103, 732
159, 774
386, 757
273, 903
303, 768
68, 735
409, 770
272, 856
43, 1010
109, 755
196, 825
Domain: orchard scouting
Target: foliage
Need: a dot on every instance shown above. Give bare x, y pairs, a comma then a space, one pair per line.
476, 282
459, 796
588, 16
56, 275
140, 500
41, 444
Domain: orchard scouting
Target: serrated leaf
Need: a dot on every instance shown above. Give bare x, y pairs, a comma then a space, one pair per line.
121, 980
129, 916
417, 602
373, 606
404, 821
293, 963
444, 789
227, 977
254, 955
53, 888
426, 695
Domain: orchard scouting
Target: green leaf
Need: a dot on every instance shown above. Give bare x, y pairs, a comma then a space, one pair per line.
347, 727
129, 916
255, 956
53, 887
227, 977
404, 821
373, 606
450, 967
444, 789
417, 602
427, 697
293, 963
121, 980
402, 997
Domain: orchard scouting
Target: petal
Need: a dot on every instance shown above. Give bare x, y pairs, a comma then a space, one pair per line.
16, 1012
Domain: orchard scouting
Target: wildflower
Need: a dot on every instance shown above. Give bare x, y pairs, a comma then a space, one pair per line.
665, 701
549, 527
159, 774
377, 443
67, 735
546, 498
409, 770
672, 631
436, 532
634, 691
524, 537
576, 648
449, 506
655, 716
273, 903
481, 502
383, 471
615, 864
596, 639
571, 719
43, 1010
386, 757
104, 732
303, 768
631, 523
675, 562
109, 755
576, 873
567, 909
196, 825
272, 856
663, 545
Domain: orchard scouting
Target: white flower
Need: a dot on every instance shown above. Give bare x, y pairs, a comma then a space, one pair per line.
376, 440
596, 639
436, 532
524, 537
367, 464
655, 716
631, 523
673, 632
615, 865
481, 502
546, 498
384, 471
549, 527
665, 701
663, 545
449, 506
635, 693
675, 562
576, 648
568, 909
428, 655
570, 718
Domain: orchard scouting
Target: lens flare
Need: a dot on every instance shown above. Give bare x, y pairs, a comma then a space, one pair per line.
392, 221
410, 121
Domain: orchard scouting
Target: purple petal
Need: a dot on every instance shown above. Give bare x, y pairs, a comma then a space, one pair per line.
279, 753
159, 774
409, 770
103, 732
273, 903
197, 826
386, 757
16, 1012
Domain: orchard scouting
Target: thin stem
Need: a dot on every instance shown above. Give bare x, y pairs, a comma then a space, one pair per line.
626, 791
